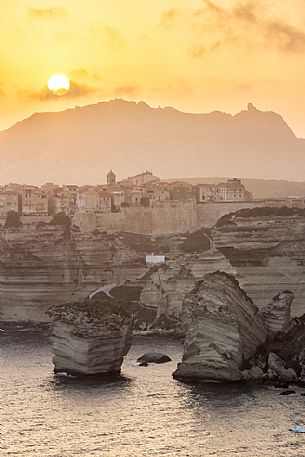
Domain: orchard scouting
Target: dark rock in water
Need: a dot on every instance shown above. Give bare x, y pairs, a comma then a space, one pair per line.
288, 392
153, 357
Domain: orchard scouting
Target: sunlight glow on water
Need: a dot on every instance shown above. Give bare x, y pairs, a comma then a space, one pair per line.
146, 413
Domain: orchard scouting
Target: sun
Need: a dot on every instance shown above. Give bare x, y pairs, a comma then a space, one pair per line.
59, 84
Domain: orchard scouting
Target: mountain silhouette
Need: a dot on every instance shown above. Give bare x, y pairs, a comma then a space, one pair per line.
80, 145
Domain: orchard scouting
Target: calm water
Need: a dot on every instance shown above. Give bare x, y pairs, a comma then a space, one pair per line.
145, 414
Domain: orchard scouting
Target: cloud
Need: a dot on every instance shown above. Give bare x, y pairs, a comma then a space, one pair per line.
287, 37
168, 16
244, 87
77, 90
83, 74
109, 36
48, 13
128, 89
247, 22
199, 51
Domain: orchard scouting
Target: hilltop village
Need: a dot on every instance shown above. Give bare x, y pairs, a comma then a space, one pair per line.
142, 190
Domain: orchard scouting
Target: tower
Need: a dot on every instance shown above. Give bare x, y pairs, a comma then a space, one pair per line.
111, 178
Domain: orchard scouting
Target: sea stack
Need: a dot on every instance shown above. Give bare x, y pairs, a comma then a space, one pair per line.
224, 329
90, 337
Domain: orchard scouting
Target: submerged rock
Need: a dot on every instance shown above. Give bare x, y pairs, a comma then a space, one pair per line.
225, 328
153, 357
90, 337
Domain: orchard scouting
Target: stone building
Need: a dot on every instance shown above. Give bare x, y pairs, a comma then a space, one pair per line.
180, 190
34, 202
64, 201
118, 197
134, 197
94, 201
8, 202
111, 178
139, 180
231, 191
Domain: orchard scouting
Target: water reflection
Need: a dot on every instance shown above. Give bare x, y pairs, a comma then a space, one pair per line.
143, 412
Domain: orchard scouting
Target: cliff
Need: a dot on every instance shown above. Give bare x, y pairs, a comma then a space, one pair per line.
90, 337
266, 249
46, 265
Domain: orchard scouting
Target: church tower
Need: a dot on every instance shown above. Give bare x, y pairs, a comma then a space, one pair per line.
111, 178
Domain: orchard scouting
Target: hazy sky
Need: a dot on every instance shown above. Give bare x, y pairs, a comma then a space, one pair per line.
196, 55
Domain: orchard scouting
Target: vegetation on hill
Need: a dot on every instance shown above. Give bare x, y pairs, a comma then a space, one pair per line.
196, 242
12, 220
264, 211
61, 219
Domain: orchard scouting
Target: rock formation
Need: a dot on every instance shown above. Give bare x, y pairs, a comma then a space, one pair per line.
290, 346
90, 337
41, 266
225, 328
44, 265
277, 314
266, 250
277, 369
229, 339
153, 357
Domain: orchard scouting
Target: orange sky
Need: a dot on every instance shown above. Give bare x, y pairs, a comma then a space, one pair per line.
195, 55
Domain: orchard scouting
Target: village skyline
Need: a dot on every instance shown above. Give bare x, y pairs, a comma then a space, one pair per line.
141, 190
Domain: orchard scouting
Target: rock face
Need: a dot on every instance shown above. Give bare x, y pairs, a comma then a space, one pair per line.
44, 265
290, 346
229, 339
266, 249
277, 314
225, 329
90, 337
277, 369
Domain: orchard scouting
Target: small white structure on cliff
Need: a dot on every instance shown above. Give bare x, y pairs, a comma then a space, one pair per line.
155, 259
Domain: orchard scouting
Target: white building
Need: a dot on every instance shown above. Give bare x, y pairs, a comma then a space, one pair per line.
155, 259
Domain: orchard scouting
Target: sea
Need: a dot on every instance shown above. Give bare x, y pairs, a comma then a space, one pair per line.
144, 412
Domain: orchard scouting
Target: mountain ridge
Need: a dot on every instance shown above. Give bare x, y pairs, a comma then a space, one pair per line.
80, 144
